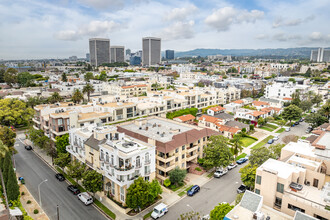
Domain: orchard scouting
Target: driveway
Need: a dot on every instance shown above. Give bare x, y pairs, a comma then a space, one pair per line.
53, 192
210, 195
298, 130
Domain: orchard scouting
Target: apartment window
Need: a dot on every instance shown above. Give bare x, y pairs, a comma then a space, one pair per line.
176, 159
138, 161
203, 138
147, 159
280, 188
112, 161
278, 202
182, 165
183, 147
103, 120
106, 157
113, 188
146, 178
81, 125
257, 191
122, 194
102, 154
177, 150
315, 182
198, 149
319, 217
295, 208
112, 172
199, 141
182, 156
91, 122
60, 121
258, 179
146, 170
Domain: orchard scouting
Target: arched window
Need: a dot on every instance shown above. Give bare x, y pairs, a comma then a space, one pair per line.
107, 157
147, 159
112, 160
138, 161
102, 155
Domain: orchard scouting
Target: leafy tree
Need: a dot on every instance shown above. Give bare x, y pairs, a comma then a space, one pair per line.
3, 150
62, 160
10, 76
317, 99
2, 74
167, 182
315, 119
33, 101
61, 143
92, 181
12, 187
137, 194
276, 150
77, 96
325, 110
306, 105
55, 98
220, 211
237, 145
14, 112
64, 78
190, 216
7, 136
239, 197
251, 127
259, 156
154, 190
292, 80
308, 72
38, 138
76, 170
6, 165
88, 76
103, 76
292, 112
24, 79
261, 121
177, 176
192, 111
88, 89
296, 98
248, 175
217, 152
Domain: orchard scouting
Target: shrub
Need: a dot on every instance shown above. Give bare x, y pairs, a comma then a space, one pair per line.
198, 169
28, 202
251, 127
23, 193
167, 182
36, 211
200, 161
244, 130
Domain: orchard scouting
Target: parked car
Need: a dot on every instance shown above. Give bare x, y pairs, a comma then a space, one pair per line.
270, 141
296, 186
301, 120
231, 166
287, 129
296, 123
60, 177
28, 147
275, 138
73, 189
85, 198
242, 160
219, 173
241, 189
193, 190
159, 211
309, 130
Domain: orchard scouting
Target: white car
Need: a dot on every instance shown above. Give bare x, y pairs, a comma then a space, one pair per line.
231, 166
287, 129
85, 198
275, 138
220, 173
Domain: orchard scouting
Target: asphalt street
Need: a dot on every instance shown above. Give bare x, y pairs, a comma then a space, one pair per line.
217, 190
298, 130
53, 192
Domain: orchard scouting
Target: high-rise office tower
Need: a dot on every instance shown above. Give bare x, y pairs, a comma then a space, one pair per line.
99, 50
320, 55
87, 57
151, 51
117, 54
128, 52
169, 54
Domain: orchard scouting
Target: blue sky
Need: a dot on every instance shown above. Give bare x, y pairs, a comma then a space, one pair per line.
59, 29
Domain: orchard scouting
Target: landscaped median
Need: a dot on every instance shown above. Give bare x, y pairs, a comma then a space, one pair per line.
105, 210
280, 130
263, 142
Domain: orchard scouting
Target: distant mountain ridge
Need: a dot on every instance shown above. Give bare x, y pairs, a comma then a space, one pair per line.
299, 52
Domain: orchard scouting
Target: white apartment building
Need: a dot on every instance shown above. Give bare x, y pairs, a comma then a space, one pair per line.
70, 87
278, 90
119, 158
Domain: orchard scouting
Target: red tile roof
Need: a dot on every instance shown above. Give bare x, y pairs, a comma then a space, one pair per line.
238, 101
259, 103
257, 113
217, 108
208, 118
228, 129
288, 99
185, 118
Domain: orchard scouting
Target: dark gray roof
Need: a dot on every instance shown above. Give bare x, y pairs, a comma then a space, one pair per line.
262, 99
94, 143
237, 124
312, 138
224, 116
303, 216
251, 201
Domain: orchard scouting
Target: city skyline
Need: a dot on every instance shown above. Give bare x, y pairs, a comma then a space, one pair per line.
42, 29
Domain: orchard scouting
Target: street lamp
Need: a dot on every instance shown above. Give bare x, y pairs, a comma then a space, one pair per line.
39, 191
191, 208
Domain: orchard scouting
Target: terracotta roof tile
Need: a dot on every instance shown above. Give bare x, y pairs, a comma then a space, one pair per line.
259, 103
185, 118
217, 108
208, 118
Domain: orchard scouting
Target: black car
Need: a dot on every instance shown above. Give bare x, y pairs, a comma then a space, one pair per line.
28, 147
241, 189
73, 189
60, 177
296, 123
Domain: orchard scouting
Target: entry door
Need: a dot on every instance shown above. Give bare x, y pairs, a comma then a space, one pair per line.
316, 183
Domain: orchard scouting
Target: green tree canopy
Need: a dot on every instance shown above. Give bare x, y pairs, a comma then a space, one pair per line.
248, 175
137, 194
12, 187
88, 89
7, 136
61, 143
5, 166
317, 99
55, 98
192, 111
14, 112
103, 76
88, 76
217, 152
220, 211
24, 79
2, 74
177, 176
92, 181
38, 138
10, 76
325, 110
275, 149
292, 112
76, 170
64, 78
306, 105
77, 96
154, 190
260, 155
315, 119
62, 160
237, 145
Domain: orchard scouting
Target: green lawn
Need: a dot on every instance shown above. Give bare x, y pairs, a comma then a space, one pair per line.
147, 215
240, 156
247, 141
280, 130
210, 175
272, 126
266, 128
303, 138
104, 209
262, 143
269, 127
175, 188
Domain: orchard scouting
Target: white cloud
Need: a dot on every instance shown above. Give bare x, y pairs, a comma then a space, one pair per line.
280, 22
286, 37
180, 14
94, 29
318, 36
261, 36
103, 4
179, 30
223, 18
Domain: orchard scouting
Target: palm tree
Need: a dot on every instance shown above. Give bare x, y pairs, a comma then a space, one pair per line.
55, 97
88, 89
77, 96
237, 145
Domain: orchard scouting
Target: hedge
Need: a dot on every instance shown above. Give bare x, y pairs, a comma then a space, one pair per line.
192, 111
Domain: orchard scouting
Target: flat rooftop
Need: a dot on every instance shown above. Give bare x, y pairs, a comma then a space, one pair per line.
325, 140
282, 169
301, 147
158, 129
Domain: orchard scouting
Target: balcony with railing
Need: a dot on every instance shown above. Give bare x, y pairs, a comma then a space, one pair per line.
192, 148
166, 167
190, 157
165, 157
147, 162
